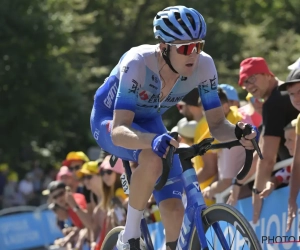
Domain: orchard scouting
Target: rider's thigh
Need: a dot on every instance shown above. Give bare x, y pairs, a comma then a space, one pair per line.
173, 190
150, 163
101, 125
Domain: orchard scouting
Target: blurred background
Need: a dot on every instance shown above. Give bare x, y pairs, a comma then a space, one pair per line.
54, 54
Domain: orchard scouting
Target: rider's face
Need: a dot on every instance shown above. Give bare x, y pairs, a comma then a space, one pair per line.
183, 64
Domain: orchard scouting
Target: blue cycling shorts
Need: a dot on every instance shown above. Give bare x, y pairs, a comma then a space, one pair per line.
101, 121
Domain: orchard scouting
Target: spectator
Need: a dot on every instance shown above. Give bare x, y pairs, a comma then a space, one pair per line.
283, 176
230, 161
292, 86
232, 95
113, 199
189, 106
252, 112
278, 112
65, 175
37, 173
186, 129
61, 215
74, 161
74, 203
26, 188
105, 182
92, 180
12, 197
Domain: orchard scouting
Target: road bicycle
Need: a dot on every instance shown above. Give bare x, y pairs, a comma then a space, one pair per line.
199, 221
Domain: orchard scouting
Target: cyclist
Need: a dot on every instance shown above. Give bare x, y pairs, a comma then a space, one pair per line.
126, 116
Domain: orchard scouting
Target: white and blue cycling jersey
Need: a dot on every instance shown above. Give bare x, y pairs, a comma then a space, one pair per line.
134, 84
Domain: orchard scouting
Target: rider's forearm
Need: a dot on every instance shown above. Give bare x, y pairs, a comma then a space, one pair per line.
223, 131
130, 138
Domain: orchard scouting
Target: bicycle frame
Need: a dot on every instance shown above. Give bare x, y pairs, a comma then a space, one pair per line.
192, 215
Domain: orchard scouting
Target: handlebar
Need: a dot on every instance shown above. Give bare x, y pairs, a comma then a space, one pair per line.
186, 154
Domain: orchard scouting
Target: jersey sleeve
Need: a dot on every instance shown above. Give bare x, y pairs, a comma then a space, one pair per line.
208, 83
132, 75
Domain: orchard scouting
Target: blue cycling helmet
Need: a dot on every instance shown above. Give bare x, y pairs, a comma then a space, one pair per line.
179, 23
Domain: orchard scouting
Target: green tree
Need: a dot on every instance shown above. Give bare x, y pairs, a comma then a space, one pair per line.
54, 54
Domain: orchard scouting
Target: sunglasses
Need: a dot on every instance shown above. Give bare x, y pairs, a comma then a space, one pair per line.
188, 48
103, 172
87, 177
58, 194
75, 168
250, 80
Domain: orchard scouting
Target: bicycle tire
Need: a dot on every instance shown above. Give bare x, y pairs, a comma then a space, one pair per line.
111, 239
227, 213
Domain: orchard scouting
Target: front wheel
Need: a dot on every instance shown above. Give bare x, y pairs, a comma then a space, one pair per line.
236, 229
110, 240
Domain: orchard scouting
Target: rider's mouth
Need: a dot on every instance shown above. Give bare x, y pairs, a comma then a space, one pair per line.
189, 64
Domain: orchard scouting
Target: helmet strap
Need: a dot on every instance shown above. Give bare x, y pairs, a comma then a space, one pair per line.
166, 57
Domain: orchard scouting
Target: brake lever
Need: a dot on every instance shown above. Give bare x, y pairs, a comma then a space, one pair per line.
248, 131
167, 164
204, 146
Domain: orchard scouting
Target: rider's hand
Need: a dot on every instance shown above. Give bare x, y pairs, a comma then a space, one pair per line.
246, 141
160, 144
292, 209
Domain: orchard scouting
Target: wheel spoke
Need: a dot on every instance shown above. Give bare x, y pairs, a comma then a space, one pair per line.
228, 216
233, 238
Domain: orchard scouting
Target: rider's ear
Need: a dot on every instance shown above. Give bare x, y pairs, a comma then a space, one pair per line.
164, 51
163, 48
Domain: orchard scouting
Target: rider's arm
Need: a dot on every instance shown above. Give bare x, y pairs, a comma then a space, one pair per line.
124, 135
219, 126
131, 78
